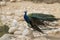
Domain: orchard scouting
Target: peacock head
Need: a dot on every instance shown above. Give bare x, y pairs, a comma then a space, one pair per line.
25, 12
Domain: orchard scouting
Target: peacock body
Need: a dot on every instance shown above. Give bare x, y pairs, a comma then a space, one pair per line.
35, 19
29, 21
42, 19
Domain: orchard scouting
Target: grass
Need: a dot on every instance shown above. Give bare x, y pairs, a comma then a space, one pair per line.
3, 30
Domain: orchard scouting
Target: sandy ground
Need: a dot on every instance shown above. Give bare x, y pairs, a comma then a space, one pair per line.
19, 8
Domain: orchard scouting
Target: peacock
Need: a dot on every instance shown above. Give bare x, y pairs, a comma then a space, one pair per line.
29, 21
35, 19
39, 18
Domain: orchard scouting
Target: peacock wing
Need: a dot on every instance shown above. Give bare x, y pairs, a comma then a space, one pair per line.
42, 17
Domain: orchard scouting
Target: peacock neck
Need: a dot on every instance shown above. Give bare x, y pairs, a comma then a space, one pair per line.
25, 13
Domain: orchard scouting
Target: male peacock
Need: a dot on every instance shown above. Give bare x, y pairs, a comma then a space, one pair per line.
29, 21
42, 19
36, 19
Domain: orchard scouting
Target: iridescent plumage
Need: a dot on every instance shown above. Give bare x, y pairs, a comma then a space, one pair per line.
27, 19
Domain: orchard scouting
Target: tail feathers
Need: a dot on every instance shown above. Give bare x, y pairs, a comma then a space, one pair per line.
37, 28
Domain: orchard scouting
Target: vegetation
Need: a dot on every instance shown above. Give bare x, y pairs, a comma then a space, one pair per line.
3, 30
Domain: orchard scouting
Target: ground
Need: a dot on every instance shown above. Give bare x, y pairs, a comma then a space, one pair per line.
15, 10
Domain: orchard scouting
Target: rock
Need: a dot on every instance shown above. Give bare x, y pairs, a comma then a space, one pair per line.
28, 33
14, 23
41, 38
54, 33
29, 38
10, 13
17, 18
21, 28
3, 19
8, 19
12, 29
13, 39
15, 36
20, 37
17, 33
49, 1
6, 0
3, 3
36, 34
21, 19
55, 23
19, 0
6, 37
12, 0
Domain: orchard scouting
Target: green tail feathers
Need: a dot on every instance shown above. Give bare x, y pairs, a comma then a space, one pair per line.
44, 17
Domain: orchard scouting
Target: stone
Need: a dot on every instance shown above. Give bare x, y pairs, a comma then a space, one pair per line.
55, 23
6, 37
19, 0
17, 18
10, 13
29, 38
28, 33
3, 3
14, 23
21, 19
21, 28
12, 0
20, 37
41, 38
13, 39
49, 1
17, 33
12, 29
54, 32
3, 18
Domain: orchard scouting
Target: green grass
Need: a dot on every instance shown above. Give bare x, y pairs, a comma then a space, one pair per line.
3, 30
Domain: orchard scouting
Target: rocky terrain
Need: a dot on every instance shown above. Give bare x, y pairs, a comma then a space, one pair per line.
11, 14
